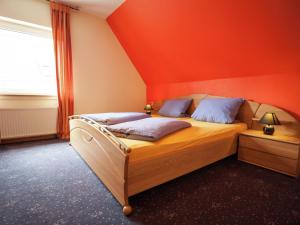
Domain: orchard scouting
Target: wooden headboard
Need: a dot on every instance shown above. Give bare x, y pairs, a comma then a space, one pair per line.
249, 113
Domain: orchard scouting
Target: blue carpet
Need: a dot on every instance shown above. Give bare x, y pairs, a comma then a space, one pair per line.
46, 182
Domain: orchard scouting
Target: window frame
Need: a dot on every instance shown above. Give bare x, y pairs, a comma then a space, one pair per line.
19, 26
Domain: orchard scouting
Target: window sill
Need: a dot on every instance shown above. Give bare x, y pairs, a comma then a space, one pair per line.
27, 101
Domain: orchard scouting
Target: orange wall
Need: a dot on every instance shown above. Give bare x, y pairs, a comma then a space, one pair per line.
233, 48
279, 92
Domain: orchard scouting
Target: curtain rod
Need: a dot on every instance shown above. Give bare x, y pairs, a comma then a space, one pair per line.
75, 8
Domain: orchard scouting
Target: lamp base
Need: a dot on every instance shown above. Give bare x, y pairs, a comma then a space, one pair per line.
148, 112
268, 130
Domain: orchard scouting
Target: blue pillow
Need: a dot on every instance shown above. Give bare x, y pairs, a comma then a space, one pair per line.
175, 107
218, 110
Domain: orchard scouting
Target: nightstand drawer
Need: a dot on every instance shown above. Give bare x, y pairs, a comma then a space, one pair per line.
283, 149
273, 162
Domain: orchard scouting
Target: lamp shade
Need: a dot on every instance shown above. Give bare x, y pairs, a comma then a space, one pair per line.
148, 107
269, 119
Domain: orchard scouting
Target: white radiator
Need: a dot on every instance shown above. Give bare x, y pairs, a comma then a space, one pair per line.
19, 123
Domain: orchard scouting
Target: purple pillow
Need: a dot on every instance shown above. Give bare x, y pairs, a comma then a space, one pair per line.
218, 110
175, 107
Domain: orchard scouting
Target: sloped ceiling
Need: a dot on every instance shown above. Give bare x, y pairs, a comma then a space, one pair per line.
181, 41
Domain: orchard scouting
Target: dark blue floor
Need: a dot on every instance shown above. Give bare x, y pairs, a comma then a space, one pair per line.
46, 182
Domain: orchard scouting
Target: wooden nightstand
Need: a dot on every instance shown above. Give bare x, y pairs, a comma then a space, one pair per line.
278, 153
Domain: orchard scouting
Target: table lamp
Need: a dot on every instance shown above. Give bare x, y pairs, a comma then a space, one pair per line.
270, 119
148, 108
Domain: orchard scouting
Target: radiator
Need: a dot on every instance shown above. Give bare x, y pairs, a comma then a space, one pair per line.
19, 123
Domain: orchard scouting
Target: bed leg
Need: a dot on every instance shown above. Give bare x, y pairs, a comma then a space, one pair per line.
127, 210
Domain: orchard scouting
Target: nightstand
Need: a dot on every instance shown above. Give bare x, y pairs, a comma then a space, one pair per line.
278, 153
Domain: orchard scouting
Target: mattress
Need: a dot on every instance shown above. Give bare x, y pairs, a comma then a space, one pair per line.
202, 134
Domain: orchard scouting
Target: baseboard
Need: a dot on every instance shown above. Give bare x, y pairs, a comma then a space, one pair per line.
25, 139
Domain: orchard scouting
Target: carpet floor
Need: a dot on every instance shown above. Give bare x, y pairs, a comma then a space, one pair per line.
46, 182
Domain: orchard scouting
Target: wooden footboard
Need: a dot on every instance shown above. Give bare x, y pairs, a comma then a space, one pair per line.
105, 154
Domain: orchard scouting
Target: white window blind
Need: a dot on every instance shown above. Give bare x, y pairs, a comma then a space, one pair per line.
27, 65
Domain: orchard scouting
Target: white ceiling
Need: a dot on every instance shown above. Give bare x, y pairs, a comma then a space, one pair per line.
101, 8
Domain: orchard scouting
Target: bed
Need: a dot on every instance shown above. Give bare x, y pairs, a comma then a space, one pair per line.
128, 167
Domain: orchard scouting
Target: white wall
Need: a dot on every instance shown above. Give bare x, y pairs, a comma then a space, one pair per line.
32, 11
104, 77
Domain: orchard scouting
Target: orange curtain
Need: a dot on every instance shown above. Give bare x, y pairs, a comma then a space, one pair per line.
60, 20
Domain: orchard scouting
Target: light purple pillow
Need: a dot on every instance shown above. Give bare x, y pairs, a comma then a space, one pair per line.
175, 107
218, 110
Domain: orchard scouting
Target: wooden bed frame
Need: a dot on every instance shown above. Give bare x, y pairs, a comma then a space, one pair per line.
109, 157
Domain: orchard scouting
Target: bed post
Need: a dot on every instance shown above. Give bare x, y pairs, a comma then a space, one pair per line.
105, 154
127, 209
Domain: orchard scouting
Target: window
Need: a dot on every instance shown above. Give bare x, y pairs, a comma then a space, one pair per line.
27, 65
